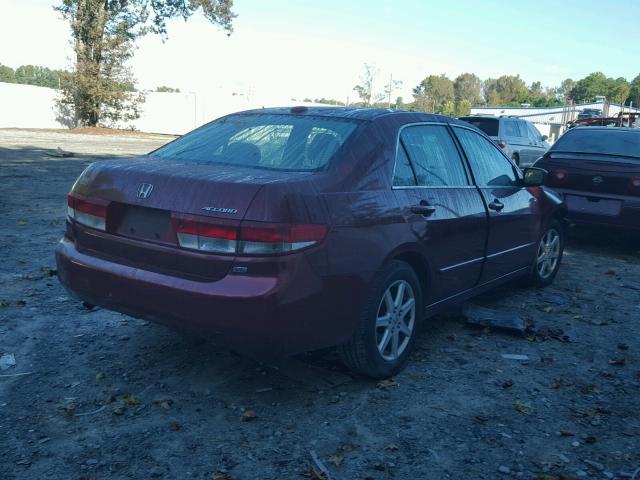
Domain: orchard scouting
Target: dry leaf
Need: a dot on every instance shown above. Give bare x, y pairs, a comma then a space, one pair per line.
131, 400
617, 361
221, 476
391, 447
99, 376
387, 383
522, 408
174, 426
248, 415
336, 459
118, 411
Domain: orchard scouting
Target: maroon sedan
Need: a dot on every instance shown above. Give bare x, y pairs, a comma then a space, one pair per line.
597, 171
280, 231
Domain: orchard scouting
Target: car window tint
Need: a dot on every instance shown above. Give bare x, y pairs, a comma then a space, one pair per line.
490, 167
403, 173
511, 128
434, 156
487, 125
534, 133
270, 140
610, 141
273, 141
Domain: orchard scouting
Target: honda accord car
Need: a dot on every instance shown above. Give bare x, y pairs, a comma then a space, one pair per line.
597, 171
279, 231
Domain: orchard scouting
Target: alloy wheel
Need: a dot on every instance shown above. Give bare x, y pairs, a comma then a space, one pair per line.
395, 320
548, 253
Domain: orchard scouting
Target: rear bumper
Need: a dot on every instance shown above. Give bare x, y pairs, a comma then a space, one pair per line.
627, 216
265, 316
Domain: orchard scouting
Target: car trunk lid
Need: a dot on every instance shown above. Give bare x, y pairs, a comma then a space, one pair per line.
592, 174
175, 218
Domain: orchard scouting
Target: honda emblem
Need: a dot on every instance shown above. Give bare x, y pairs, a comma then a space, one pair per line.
144, 190
597, 179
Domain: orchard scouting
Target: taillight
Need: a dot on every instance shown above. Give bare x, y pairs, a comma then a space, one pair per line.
559, 176
502, 144
197, 233
634, 185
91, 212
246, 238
257, 238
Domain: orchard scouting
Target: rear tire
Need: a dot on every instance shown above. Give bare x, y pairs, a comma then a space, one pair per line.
385, 335
546, 264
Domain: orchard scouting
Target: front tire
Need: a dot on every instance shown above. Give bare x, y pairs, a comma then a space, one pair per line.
548, 256
385, 336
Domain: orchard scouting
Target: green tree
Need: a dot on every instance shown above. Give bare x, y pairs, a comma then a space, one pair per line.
634, 91
591, 86
505, 90
566, 88
433, 93
7, 74
164, 89
104, 32
467, 88
619, 90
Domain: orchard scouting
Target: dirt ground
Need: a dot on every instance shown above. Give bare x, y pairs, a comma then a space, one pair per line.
98, 395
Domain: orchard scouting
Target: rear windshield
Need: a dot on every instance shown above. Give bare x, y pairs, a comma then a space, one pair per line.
278, 142
487, 125
616, 141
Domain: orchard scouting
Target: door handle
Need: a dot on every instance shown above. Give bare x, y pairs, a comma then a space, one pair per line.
496, 205
423, 209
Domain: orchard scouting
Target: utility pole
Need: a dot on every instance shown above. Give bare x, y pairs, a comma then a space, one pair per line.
390, 86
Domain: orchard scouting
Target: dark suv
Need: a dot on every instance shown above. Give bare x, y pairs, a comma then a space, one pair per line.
520, 140
279, 231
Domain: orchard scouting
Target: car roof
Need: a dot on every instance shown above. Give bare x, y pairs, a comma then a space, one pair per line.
366, 114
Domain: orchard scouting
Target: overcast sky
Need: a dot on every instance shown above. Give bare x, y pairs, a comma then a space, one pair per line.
317, 49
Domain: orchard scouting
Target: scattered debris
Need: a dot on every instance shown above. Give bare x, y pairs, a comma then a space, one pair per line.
387, 383
248, 415
85, 414
618, 361
488, 317
504, 469
7, 360
523, 408
174, 426
320, 465
514, 356
60, 153
221, 475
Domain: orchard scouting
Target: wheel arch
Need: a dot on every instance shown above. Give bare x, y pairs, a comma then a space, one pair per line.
418, 262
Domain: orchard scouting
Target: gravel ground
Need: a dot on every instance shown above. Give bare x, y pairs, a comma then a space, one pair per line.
96, 394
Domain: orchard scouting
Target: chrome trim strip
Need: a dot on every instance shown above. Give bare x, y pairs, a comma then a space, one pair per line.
451, 267
409, 187
514, 273
511, 250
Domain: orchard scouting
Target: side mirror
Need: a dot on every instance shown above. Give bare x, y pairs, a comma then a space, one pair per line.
544, 138
534, 177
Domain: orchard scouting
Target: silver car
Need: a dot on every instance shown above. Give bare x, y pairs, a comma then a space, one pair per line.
520, 140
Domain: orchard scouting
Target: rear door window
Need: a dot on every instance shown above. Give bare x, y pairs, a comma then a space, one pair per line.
487, 125
433, 156
490, 167
511, 129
